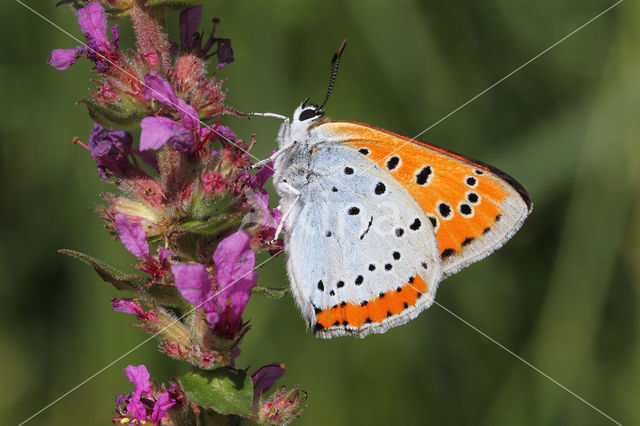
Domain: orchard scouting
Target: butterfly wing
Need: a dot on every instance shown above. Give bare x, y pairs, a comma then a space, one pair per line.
473, 207
361, 254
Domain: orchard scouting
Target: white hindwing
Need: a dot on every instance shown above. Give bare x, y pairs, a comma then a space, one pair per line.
354, 236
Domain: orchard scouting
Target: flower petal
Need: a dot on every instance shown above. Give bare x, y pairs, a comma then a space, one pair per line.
62, 59
233, 258
265, 377
132, 236
234, 274
263, 174
164, 254
156, 131
217, 132
136, 408
225, 52
110, 149
163, 403
156, 87
189, 24
188, 115
139, 376
126, 306
196, 287
93, 23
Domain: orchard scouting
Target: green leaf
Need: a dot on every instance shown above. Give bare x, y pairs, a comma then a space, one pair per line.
226, 390
120, 280
121, 114
272, 293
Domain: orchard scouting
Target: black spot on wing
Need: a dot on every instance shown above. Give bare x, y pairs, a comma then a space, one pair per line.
393, 162
422, 177
447, 252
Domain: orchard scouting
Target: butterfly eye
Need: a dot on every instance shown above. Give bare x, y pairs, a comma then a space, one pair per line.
308, 113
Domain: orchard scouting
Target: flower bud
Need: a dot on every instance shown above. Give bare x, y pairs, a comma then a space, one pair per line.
153, 220
282, 407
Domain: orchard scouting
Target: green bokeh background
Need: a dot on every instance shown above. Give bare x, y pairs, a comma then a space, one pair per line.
563, 294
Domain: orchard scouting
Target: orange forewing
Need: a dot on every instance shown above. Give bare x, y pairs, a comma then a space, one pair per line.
450, 180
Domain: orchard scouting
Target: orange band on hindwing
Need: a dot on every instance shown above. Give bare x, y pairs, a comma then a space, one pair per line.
386, 305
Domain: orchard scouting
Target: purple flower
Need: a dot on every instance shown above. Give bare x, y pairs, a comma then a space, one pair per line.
121, 399
142, 389
132, 236
218, 132
224, 52
157, 131
189, 24
164, 254
93, 23
132, 306
270, 217
62, 59
111, 150
235, 277
196, 287
264, 173
163, 403
126, 306
265, 377
139, 376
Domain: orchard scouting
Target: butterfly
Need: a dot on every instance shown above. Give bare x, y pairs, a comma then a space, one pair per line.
373, 220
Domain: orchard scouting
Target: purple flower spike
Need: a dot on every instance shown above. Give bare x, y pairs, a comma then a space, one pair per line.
132, 236
265, 377
196, 287
189, 24
163, 403
111, 150
235, 276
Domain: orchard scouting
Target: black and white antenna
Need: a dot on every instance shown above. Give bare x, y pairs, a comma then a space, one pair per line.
335, 62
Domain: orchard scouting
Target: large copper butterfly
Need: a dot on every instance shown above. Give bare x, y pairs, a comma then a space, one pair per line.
374, 220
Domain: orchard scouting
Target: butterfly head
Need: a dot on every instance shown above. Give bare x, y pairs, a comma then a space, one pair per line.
305, 116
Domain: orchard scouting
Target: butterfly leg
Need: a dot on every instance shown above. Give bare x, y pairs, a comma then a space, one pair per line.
270, 158
265, 161
268, 114
285, 187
